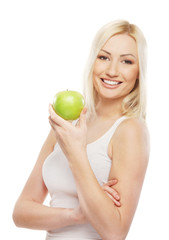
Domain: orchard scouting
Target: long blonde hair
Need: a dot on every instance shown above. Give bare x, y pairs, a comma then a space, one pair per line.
134, 105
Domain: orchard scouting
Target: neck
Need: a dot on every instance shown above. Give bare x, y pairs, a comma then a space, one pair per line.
106, 108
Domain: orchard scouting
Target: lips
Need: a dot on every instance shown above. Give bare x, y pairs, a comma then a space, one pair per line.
111, 82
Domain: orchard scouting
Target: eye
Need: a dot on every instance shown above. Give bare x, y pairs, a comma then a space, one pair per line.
127, 61
102, 57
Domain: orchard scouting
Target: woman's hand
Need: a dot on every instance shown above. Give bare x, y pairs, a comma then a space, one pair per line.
111, 192
72, 139
78, 216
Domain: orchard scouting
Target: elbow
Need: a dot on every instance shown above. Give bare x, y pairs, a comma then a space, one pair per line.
18, 216
15, 218
115, 236
119, 233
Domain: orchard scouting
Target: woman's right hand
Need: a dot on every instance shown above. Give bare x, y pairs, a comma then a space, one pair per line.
78, 216
111, 192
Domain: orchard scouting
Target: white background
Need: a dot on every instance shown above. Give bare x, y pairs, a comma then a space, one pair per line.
44, 46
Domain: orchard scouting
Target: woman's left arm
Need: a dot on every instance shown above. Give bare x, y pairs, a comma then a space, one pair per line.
130, 157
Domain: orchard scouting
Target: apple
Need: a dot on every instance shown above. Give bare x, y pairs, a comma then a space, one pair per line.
68, 104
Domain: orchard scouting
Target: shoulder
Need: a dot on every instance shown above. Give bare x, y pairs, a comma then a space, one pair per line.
51, 138
132, 138
132, 128
49, 143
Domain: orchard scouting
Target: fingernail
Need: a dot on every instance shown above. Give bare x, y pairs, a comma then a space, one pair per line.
117, 197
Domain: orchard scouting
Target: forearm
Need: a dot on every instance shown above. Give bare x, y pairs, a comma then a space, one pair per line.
33, 215
96, 205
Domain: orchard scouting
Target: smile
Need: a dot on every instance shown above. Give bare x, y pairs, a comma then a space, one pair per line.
111, 82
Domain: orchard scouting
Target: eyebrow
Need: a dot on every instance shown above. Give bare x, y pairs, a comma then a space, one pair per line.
122, 55
105, 51
128, 54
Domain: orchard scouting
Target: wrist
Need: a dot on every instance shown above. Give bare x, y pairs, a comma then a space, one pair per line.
76, 216
70, 216
79, 157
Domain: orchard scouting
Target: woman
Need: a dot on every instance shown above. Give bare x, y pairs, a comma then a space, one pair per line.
80, 161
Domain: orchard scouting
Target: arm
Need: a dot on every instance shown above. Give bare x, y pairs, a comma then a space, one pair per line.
29, 212
130, 157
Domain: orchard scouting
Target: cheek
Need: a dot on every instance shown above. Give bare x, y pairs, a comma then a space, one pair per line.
95, 83
131, 75
99, 67
96, 69
96, 73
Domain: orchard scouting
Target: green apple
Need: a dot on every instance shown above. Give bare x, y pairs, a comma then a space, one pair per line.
68, 104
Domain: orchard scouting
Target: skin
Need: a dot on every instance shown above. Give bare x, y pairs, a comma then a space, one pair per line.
29, 211
128, 149
116, 61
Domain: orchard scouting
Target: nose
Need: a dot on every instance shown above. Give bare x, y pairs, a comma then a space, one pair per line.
112, 69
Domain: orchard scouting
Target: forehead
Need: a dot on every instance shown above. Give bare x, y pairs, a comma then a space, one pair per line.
122, 44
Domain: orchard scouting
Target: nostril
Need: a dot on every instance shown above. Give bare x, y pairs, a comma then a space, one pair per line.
112, 72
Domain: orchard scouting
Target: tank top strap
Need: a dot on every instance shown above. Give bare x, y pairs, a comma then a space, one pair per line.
112, 130
105, 139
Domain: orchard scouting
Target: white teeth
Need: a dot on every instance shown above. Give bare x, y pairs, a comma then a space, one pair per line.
110, 82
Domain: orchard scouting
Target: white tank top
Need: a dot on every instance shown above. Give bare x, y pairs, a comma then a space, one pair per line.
62, 188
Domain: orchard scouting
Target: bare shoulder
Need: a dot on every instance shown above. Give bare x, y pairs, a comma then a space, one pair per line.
48, 146
51, 138
132, 128
132, 139
133, 124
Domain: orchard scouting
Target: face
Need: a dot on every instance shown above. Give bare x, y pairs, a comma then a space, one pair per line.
116, 68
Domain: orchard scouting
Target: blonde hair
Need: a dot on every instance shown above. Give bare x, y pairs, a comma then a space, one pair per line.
134, 105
